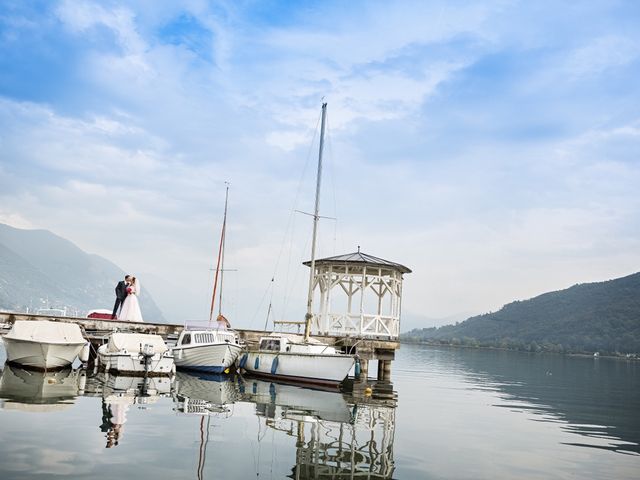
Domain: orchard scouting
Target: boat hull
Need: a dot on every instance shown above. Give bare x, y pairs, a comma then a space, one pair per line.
41, 355
318, 369
133, 363
214, 358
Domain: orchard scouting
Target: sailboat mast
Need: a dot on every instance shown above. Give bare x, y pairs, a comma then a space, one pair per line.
224, 241
220, 256
316, 217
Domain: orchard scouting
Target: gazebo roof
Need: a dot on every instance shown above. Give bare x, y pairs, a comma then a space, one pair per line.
359, 258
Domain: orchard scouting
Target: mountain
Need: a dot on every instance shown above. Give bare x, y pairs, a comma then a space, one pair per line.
40, 270
603, 316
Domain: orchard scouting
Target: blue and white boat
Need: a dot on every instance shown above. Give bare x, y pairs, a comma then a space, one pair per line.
207, 349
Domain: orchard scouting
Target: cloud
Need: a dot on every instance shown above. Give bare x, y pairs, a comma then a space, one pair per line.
492, 148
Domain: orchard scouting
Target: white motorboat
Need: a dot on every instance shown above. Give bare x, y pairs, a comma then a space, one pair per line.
43, 344
296, 358
291, 358
207, 349
137, 354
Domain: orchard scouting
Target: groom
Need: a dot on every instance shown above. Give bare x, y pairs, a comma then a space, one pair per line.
121, 294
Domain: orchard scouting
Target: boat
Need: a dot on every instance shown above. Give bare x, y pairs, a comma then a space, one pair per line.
300, 358
210, 349
136, 354
292, 358
43, 344
207, 349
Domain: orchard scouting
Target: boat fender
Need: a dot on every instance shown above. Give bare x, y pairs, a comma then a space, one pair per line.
243, 360
256, 364
274, 365
368, 391
84, 353
357, 369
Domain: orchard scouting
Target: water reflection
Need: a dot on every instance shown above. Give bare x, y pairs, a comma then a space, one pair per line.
597, 399
338, 434
118, 393
38, 391
204, 394
347, 433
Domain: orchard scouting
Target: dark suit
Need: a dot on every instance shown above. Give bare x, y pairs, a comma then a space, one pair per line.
121, 294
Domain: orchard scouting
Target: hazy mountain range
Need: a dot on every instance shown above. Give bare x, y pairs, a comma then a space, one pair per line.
603, 316
41, 270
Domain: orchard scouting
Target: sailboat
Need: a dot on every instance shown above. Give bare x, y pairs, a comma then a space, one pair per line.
296, 358
210, 349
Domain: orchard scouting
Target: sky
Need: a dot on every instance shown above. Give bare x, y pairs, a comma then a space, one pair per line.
493, 147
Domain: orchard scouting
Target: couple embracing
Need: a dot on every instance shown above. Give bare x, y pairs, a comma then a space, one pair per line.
127, 292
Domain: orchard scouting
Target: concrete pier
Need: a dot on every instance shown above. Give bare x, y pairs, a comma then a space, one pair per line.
97, 331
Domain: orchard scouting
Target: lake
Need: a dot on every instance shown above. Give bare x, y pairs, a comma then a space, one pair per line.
449, 413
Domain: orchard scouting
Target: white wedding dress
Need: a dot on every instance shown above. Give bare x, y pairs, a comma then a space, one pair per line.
131, 307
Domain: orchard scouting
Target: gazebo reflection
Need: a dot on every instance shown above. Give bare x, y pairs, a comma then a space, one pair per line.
338, 434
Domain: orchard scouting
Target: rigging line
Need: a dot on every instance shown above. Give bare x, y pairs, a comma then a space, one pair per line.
296, 274
289, 229
332, 167
298, 191
266, 321
264, 295
287, 283
291, 220
337, 226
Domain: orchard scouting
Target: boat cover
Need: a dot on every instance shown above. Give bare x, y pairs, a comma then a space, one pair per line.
132, 342
45, 331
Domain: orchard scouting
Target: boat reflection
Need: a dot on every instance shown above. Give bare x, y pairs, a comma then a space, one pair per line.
38, 391
338, 434
204, 394
118, 393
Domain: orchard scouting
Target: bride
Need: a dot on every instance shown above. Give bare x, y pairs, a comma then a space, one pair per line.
131, 308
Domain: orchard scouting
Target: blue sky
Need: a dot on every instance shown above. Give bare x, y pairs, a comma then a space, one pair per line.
493, 147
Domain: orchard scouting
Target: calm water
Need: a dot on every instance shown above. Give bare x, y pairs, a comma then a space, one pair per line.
449, 414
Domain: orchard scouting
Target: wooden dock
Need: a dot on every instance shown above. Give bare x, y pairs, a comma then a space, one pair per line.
97, 331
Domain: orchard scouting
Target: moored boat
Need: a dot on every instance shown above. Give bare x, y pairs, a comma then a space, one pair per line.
292, 358
136, 353
43, 344
207, 349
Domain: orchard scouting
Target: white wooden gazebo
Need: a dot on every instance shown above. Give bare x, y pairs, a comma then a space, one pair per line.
359, 296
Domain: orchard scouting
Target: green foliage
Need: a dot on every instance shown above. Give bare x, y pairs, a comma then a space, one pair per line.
592, 317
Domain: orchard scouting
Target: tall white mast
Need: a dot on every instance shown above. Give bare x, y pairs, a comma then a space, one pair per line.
316, 217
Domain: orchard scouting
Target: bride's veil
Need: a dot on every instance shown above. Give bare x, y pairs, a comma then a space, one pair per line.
138, 289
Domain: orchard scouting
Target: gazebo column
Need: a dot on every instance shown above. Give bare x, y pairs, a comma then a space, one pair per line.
384, 370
